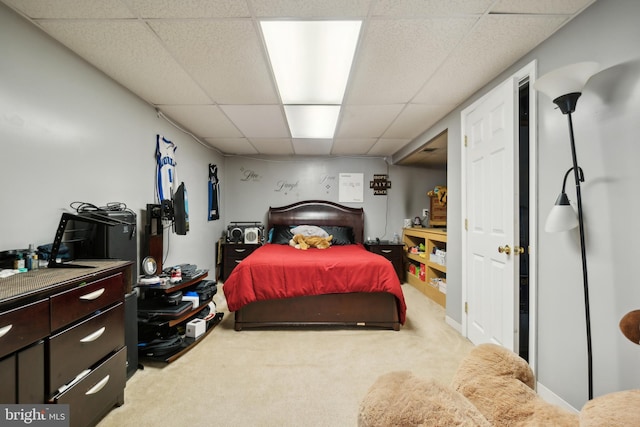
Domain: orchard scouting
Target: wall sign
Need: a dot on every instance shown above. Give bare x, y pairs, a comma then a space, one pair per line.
350, 189
380, 185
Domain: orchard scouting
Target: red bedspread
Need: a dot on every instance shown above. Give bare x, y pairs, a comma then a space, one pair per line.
280, 271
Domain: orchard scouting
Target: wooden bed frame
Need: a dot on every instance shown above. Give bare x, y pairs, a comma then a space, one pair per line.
360, 309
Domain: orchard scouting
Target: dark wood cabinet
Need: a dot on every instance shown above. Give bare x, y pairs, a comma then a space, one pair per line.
233, 254
394, 252
62, 338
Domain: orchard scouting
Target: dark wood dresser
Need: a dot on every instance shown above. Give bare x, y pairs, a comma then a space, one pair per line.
62, 338
394, 252
233, 254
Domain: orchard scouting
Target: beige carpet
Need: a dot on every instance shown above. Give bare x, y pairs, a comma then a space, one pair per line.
288, 377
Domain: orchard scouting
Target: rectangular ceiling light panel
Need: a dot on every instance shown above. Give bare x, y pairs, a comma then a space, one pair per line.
311, 60
312, 121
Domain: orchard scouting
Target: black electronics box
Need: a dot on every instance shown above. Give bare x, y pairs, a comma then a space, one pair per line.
103, 241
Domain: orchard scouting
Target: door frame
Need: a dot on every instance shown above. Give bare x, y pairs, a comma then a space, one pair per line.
528, 74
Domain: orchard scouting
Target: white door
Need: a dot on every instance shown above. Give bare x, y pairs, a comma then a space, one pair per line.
491, 218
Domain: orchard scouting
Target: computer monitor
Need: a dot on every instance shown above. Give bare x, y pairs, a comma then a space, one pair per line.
181, 210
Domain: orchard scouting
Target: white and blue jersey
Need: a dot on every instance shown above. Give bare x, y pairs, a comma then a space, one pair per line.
165, 168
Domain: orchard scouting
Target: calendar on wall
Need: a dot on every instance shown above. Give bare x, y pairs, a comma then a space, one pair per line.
351, 188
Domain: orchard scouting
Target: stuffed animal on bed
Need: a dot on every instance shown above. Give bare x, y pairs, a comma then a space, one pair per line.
305, 242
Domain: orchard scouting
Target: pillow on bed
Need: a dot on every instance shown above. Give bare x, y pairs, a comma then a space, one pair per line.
280, 234
341, 235
309, 230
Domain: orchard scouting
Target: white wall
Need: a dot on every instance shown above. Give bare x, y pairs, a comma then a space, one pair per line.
252, 185
606, 128
68, 133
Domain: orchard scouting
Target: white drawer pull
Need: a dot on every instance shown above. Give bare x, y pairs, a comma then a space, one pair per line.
4, 330
96, 388
386, 251
93, 295
94, 336
239, 250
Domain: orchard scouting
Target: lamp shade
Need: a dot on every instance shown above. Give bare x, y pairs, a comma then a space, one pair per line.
562, 216
565, 80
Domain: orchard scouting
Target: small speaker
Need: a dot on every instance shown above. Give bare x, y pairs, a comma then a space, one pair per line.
235, 234
252, 235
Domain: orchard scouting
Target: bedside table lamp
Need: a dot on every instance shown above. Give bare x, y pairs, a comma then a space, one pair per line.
564, 86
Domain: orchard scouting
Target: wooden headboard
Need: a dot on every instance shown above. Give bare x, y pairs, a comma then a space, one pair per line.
318, 212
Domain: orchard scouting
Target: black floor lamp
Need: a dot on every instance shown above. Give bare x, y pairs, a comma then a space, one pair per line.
564, 86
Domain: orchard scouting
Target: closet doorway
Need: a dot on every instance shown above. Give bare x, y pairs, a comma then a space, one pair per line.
499, 205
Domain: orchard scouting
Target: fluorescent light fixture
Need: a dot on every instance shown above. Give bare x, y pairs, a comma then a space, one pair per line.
311, 60
312, 121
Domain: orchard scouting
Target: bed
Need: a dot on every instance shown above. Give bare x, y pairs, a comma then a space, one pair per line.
342, 286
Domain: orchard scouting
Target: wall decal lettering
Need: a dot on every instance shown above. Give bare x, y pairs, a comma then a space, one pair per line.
285, 187
249, 175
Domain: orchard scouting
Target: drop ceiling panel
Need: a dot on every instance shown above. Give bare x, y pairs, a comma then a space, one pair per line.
258, 121
232, 145
429, 8
275, 146
414, 119
189, 9
204, 65
144, 66
398, 56
495, 44
352, 147
312, 147
366, 120
225, 57
71, 9
549, 7
311, 8
206, 121
386, 147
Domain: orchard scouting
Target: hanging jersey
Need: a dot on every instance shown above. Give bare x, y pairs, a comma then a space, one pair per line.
214, 193
165, 168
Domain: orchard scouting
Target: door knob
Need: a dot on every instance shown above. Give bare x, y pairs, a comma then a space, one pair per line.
517, 250
506, 249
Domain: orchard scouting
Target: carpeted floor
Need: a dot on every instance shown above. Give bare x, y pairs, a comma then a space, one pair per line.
287, 377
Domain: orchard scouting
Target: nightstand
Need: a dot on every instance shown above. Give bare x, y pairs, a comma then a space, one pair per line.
394, 252
233, 254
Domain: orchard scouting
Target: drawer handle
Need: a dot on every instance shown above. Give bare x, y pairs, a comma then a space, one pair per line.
386, 251
240, 250
4, 330
93, 295
96, 388
94, 336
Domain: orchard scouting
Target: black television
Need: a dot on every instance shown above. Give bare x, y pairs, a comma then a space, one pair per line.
181, 210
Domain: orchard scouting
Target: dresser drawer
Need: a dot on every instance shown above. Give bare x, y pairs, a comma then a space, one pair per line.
84, 344
94, 395
238, 251
233, 254
392, 252
74, 304
23, 326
